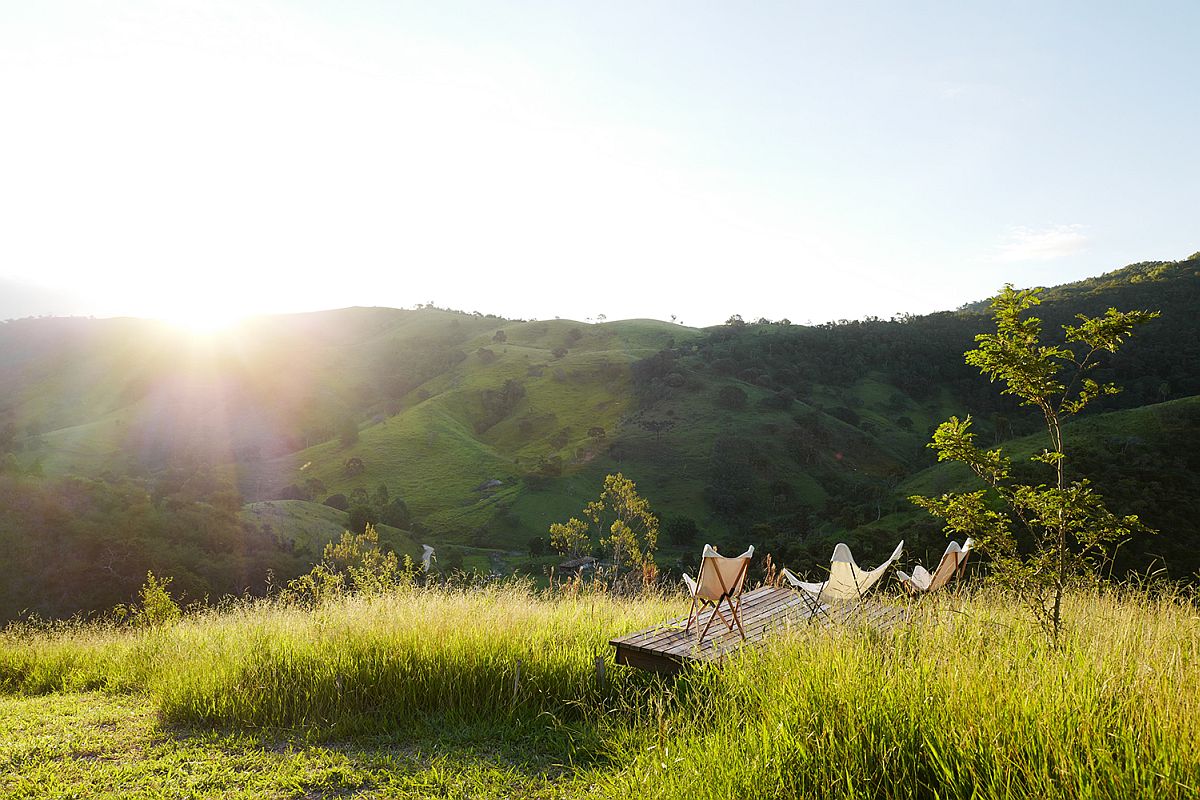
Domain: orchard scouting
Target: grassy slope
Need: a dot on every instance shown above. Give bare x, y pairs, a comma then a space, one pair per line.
100, 387
310, 526
1119, 436
1114, 427
117, 397
430, 452
360, 696
433, 456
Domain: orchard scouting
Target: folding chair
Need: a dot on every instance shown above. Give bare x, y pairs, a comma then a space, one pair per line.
952, 565
720, 580
847, 581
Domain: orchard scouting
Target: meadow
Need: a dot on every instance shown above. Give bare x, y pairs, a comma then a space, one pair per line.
494, 692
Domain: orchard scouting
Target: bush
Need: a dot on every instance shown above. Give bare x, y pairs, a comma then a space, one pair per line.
780, 401
291, 492
338, 501
731, 397
681, 530
846, 415
347, 431
360, 517
396, 514
157, 607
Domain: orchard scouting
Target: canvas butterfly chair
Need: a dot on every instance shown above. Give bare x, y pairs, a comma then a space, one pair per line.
720, 580
847, 582
952, 565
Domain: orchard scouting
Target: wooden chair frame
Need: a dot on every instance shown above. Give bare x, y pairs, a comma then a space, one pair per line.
956, 575
734, 603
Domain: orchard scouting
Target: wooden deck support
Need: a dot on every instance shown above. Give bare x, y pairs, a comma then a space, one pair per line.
668, 647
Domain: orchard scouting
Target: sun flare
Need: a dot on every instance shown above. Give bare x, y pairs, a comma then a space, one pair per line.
203, 320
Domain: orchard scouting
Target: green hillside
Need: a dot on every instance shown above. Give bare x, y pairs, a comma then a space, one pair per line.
1144, 461
307, 527
474, 433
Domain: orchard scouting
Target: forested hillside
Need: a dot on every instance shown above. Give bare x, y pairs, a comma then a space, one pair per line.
126, 445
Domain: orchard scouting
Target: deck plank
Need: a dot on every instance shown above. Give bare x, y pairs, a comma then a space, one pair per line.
668, 647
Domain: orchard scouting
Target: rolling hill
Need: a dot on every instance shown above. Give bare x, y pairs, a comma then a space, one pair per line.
474, 432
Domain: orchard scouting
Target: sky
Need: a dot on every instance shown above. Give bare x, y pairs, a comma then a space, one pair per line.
200, 161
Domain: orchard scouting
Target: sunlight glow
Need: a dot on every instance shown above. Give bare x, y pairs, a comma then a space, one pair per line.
292, 157
202, 319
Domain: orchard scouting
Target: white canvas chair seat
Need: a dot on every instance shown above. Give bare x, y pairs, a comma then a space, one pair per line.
720, 580
847, 581
953, 562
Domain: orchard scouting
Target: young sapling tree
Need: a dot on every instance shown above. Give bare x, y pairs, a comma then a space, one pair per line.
1068, 529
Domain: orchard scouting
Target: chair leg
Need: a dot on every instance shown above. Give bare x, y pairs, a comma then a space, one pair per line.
717, 611
711, 617
735, 609
691, 616
815, 611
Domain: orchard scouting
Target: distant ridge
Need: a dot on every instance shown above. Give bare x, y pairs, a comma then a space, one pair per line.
128, 437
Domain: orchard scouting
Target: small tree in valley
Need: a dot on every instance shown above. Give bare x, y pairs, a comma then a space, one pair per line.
356, 563
620, 520
1067, 529
570, 538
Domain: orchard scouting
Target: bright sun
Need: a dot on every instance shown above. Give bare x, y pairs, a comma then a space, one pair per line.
203, 319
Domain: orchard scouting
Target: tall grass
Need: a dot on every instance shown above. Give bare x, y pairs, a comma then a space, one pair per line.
967, 701
352, 666
970, 703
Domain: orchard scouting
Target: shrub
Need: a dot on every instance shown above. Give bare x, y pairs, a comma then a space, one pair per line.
361, 517
681, 530
156, 609
731, 397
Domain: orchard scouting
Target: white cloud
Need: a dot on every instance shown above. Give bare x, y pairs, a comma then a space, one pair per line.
1042, 244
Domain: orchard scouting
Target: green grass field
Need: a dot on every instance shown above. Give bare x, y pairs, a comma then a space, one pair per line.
311, 526
493, 693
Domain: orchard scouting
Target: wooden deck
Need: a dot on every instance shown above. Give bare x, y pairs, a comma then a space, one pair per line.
668, 648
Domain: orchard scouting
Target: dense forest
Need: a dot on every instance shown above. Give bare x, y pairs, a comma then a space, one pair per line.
227, 464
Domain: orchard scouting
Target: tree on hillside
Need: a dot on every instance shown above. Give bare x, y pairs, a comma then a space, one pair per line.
620, 520
347, 430
357, 563
681, 530
731, 397
1045, 538
396, 514
314, 487
499, 403
633, 532
656, 426
361, 517
570, 538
